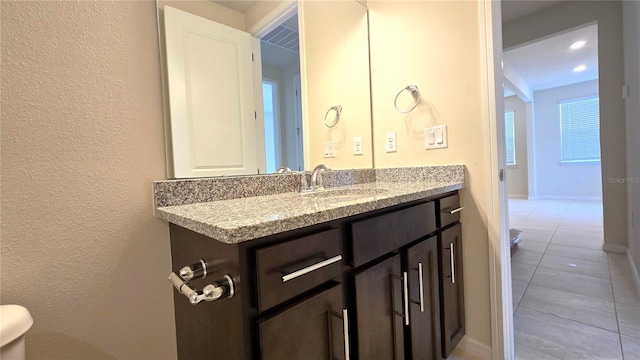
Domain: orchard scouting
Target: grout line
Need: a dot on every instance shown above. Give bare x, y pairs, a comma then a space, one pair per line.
566, 209
615, 308
575, 321
573, 292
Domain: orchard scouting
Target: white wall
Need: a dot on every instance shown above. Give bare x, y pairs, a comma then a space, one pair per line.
632, 78
608, 15
557, 180
82, 141
517, 175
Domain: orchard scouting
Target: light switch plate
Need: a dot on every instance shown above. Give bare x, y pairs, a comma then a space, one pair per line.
329, 149
357, 145
436, 137
390, 142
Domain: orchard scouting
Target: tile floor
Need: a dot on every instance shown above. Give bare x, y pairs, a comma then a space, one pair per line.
571, 300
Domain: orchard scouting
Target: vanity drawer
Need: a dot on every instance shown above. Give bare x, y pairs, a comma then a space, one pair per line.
449, 210
379, 235
293, 267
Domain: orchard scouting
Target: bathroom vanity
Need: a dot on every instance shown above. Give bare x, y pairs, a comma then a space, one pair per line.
364, 271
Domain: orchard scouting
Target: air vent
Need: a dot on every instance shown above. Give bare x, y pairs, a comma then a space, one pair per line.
284, 37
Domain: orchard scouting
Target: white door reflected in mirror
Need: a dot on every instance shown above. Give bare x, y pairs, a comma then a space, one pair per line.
211, 97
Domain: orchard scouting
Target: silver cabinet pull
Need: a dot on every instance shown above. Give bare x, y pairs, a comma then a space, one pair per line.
453, 266
406, 297
421, 281
345, 329
451, 212
311, 268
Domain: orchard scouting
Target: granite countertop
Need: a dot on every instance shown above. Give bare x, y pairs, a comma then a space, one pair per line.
236, 220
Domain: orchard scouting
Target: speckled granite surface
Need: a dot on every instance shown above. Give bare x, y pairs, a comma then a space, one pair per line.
244, 218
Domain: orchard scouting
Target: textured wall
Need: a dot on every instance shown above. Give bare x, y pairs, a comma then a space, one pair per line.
82, 140
436, 45
631, 10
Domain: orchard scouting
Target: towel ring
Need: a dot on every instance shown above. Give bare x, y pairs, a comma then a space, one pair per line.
414, 91
338, 110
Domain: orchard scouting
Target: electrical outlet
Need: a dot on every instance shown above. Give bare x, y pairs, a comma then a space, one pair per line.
390, 142
329, 149
357, 145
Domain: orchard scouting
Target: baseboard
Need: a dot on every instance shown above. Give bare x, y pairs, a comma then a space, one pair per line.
532, 198
620, 249
634, 270
563, 197
518, 196
470, 349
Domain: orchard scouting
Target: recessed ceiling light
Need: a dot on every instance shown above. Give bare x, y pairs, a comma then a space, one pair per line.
578, 44
579, 68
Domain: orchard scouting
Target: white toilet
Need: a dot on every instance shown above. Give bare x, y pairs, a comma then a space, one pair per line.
15, 320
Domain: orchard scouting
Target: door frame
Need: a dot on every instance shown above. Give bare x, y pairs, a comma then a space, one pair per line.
502, 337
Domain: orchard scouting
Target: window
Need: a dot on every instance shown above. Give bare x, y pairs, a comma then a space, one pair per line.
580, 130
510, 136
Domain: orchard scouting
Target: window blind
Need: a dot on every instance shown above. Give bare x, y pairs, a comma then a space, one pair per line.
580, 130
510, 136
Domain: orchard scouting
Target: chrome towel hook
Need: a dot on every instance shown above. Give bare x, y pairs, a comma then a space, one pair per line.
338, 110
413, 89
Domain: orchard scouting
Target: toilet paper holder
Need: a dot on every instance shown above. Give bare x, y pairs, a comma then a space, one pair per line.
217, 290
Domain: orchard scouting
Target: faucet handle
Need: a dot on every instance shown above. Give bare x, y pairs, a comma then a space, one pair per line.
304, 184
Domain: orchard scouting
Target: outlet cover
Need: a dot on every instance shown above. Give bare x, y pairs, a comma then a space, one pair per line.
390, 142
329, 149
357, 145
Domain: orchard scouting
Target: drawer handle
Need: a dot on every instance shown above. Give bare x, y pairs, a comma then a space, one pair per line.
453, 265
420, 277
451, 212
311, 268
345, 329
405, 284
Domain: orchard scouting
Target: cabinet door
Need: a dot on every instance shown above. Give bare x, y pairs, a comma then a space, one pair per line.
424, 309
379, 311
312, 329
452, 289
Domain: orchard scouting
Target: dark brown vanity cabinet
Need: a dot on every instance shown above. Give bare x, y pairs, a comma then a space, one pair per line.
424, 300
371, 286
310, 329
451, 279
379, 313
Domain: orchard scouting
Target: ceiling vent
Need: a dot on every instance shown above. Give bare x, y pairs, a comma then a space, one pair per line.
284, 37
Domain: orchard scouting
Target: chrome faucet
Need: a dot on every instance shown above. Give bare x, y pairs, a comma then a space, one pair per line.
316, 183
283, 170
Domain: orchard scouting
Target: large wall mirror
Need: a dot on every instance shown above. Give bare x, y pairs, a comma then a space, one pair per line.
252, 86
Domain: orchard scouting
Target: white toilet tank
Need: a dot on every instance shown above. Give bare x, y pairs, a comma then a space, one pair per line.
15, 320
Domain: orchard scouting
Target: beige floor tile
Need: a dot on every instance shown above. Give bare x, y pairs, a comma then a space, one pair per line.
536, 236
578, 253
629, 319
532, 246
574, 283
564, 339
524, 352
630, 347
577, 241
518, 288
577, 266
581, 308
523, 256
522, 272
619, 266
626, 293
